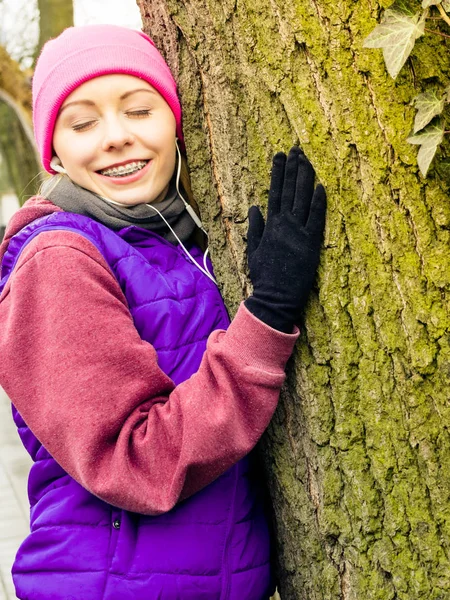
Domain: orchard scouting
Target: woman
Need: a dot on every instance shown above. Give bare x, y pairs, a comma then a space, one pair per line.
137, 400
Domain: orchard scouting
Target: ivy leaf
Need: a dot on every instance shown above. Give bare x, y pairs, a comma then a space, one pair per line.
428, 3
428, 106
430, 136
424, 158
396, 34
429, 139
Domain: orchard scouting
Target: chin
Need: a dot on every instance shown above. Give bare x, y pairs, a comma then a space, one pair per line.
134, 197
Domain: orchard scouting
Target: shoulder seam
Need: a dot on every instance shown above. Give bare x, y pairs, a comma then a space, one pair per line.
100, 260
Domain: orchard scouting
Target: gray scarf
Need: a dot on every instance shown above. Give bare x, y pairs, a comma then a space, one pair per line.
69, 196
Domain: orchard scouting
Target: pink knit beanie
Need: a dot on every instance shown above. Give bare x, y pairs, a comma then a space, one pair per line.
82, 53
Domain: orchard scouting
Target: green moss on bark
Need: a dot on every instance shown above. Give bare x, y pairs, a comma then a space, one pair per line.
358, 453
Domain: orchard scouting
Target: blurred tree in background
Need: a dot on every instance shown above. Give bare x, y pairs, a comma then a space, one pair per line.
20, 160
54, 16
16, 137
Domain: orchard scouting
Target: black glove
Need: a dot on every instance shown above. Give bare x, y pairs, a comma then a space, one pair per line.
283, 253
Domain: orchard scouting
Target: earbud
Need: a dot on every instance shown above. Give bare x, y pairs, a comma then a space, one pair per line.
56, 165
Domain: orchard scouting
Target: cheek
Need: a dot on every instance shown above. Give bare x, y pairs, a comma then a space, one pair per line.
162, 139
76, 155
166, 151
162, 132
73, 149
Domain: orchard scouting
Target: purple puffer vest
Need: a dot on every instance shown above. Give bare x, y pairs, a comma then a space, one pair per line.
212, 546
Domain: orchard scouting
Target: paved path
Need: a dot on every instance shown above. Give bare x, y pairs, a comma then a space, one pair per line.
14, 521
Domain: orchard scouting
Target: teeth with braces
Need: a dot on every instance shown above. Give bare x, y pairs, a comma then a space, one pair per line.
124, 169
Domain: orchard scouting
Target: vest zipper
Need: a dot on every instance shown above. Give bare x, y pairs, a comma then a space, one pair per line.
226, 584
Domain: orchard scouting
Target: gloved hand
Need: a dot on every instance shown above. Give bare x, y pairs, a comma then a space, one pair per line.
283, 253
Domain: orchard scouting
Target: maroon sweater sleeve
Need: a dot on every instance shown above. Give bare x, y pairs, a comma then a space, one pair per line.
91, 390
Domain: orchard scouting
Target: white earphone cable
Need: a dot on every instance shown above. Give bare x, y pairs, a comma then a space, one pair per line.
205, 270
192, 214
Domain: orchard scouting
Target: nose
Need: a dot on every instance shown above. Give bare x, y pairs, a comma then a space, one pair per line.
116, 134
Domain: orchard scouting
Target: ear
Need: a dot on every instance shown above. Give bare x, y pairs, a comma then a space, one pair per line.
56, 165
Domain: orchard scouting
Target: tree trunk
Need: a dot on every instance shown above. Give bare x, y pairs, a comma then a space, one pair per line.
54, 16
17, 144
14, 82
16, 137
358, 454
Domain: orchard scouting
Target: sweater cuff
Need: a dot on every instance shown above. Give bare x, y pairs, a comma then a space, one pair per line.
259, 345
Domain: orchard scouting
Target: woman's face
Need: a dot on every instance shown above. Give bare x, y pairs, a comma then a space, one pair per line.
109, 123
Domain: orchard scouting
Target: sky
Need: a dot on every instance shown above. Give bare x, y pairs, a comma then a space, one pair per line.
117, 12
19, 29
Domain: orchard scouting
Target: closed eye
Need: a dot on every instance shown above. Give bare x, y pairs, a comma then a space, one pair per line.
140, 113
82, 126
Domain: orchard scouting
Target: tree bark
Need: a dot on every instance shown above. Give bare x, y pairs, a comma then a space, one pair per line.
357, 456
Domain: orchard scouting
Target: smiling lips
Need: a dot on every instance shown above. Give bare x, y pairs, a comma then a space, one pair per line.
127, 169
126, 173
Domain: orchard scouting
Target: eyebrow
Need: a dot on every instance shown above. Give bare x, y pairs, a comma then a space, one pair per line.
91, 103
